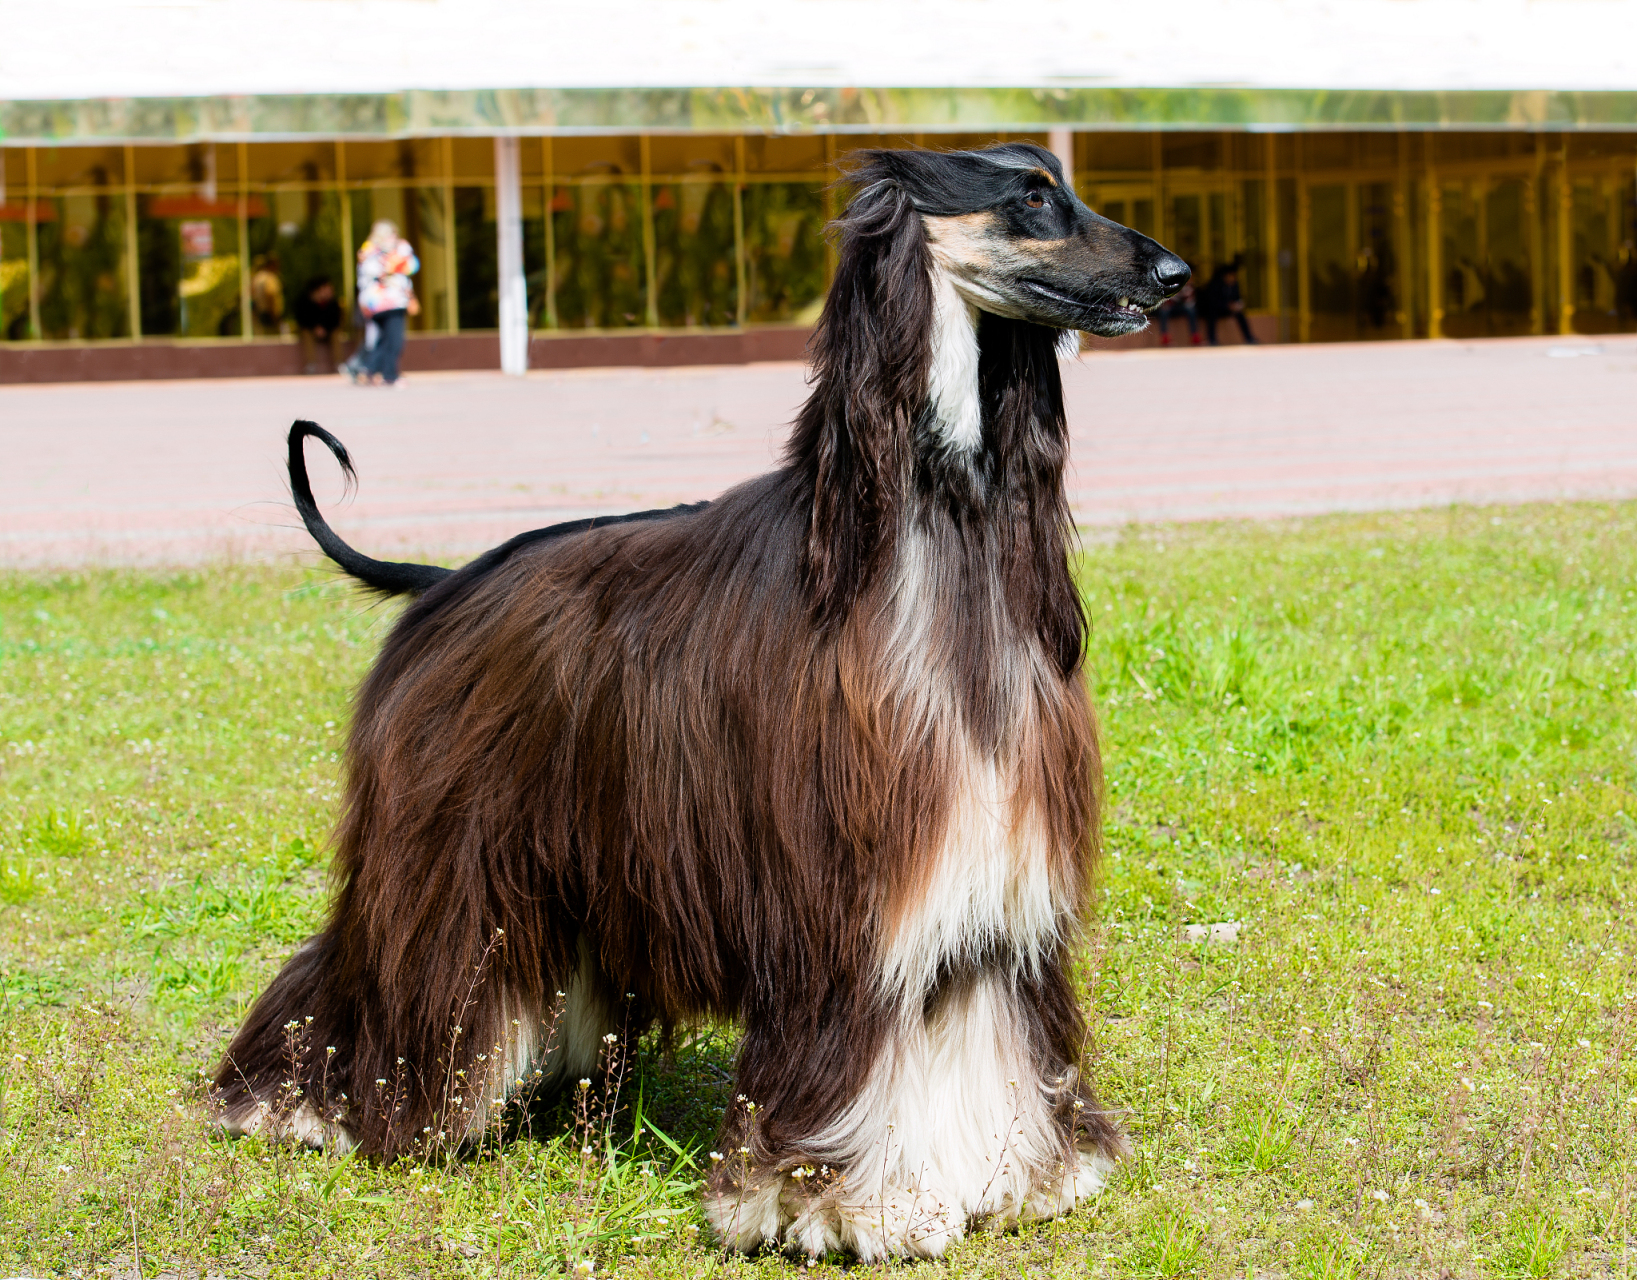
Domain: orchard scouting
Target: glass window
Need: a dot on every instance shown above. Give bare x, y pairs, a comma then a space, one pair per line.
1191, 150
1377, 262
676, 154
1113, 152
14, 213
694, 258
534, 252
799, 154
1330, 263
477, 251
201, 166
1187, 233
1507, 257
1601, 268
1253, 280
290, 162
295, 242
82, 268
784, 252
189, 259
405, 158
597, 230
471, 158
1487, 286
76, 168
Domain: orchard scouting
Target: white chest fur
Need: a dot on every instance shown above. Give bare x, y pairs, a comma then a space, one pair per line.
953, 382
990, 888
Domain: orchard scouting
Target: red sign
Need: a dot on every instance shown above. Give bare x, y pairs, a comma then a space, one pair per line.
198, 240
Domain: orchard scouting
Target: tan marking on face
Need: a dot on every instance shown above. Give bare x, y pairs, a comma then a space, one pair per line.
1047, 174
963, 243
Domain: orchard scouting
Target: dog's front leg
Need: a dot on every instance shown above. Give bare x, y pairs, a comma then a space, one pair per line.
967, 1108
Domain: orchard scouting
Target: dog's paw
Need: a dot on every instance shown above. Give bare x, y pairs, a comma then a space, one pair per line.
302, 1126
901, 1224
815, 1231
747, 1220
1067, 1186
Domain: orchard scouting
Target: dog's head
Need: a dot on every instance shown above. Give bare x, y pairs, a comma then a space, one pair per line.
1019, 243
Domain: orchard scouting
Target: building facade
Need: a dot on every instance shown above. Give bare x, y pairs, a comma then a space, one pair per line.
128, 254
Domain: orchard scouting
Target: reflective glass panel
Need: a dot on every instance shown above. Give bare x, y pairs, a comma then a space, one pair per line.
698, 282
477, 250
1330, 263
597, 229
1506, 257
294, 243
82, 268
1487, 288
13, 273
784, 252
188, 247
1464, 294
534, 253
1603, 266
1253, 280
1376, 262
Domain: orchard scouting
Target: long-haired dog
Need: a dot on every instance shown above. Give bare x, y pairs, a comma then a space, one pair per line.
816, 756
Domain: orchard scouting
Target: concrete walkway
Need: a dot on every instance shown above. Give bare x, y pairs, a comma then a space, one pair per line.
451, 463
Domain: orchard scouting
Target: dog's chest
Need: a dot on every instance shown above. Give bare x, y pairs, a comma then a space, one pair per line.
987, 894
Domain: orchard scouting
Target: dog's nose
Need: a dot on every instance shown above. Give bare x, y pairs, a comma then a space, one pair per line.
1171, 273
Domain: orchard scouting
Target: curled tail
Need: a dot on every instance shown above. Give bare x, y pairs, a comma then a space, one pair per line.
394, 577
391, 577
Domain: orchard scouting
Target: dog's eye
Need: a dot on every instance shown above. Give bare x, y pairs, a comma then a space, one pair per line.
1034, 200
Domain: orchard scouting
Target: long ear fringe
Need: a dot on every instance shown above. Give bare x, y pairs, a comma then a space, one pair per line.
871, 356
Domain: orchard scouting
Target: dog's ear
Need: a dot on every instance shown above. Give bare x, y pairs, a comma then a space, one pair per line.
871, 355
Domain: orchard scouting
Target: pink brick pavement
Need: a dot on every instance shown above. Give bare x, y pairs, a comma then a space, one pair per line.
451, 463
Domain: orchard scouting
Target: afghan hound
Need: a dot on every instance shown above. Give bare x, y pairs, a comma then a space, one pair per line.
817, 756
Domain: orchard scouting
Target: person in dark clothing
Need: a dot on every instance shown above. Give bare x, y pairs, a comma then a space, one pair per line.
318, 319
1221, 299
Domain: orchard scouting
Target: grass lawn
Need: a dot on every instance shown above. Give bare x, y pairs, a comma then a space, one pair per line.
1397, 750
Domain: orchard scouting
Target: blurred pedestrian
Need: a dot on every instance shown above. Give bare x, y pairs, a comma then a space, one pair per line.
386, 296
318, 319
1221, 300
266, 295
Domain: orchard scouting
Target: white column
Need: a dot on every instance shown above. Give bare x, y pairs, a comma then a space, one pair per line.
514, 296
1060, 142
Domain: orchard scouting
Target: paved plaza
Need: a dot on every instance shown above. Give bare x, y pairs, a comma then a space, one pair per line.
183, 472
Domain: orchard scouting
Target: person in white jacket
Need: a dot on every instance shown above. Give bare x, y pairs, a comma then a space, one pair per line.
386, 296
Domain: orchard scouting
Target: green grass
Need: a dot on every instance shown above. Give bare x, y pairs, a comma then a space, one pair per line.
1399, 750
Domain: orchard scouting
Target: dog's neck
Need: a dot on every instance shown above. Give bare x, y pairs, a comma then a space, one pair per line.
952, 383
954, 390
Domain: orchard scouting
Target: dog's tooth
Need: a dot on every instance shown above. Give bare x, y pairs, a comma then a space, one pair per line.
1125, 302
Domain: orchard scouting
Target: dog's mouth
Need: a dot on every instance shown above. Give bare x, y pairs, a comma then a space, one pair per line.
1105, 317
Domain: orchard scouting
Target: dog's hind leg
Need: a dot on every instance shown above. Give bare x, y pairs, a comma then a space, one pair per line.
271, 1082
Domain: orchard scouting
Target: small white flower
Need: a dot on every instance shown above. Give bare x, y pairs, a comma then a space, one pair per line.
1379, 1194
585, 1082
716, 1157
1352, 1142
610, 1038
1304, 1205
